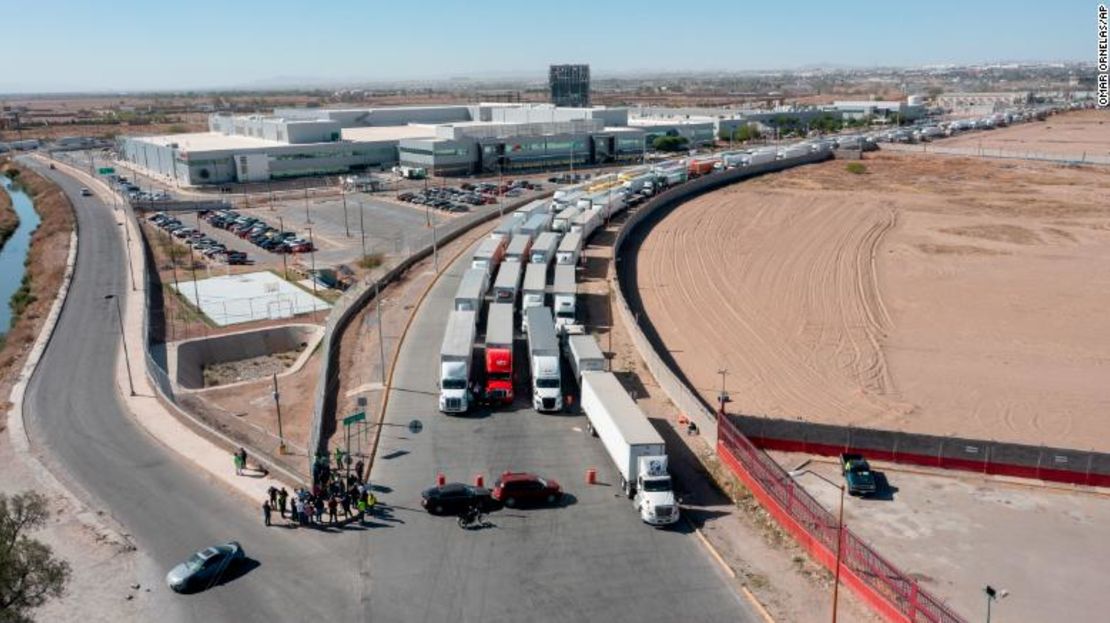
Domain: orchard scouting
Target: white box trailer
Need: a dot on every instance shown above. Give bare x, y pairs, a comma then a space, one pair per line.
543, 249
537, 224
563, 218
586, 223
584, 355
454, 362
565, 292
489, 253
509, 225
543, 360
534, 291
793, 151
570, 247
633, 444
761, 156
472, 290
507, 284
518, 249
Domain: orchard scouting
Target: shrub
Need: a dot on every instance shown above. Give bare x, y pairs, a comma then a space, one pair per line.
371, 261
857, 168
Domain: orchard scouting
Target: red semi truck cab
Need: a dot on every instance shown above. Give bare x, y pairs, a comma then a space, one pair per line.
499, 353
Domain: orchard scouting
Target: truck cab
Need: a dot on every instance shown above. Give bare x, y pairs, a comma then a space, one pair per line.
543, 355
655, 497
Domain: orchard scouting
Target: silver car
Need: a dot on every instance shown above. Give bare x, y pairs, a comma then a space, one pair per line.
205, 568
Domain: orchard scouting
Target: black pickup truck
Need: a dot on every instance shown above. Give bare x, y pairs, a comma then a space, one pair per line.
857, 474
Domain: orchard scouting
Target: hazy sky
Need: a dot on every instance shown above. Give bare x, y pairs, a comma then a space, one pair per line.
71, 45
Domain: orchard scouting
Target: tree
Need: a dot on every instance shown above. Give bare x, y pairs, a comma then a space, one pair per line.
29, 572
669, 143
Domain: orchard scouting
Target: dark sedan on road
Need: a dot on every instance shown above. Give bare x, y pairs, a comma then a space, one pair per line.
205, 568
453, 497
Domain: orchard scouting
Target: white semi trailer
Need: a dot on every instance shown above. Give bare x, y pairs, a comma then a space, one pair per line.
633, 445
535, 291
570, 247
543, 359
507, 284
584, 355
472, 290
565, 292
454, 362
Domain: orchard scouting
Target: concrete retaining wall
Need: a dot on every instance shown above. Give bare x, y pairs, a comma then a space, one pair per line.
188, 358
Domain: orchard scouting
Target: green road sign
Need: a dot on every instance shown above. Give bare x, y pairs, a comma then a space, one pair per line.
106, 170
357, 417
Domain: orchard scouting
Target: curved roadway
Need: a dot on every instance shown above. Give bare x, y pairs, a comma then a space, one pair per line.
75, 416
592, 560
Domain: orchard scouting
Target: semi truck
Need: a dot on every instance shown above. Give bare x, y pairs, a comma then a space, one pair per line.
633, 445
454, 362
518, 248
507, 284
509, 225
645, 183
535, 291
472, 290
586, 222
584, 355
543, 249
563, 218
569, 249
543, 359
489, 253
761, 156
566, 295
499, 354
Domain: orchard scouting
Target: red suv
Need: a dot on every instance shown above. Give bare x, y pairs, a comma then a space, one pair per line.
521, 488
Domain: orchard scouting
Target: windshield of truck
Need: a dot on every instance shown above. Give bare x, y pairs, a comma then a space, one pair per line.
549, 383
658, 484
454, 384
565, 314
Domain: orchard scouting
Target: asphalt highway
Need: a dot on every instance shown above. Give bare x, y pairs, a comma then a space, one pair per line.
75, 418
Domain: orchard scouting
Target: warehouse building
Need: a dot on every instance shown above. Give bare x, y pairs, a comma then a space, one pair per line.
445, 140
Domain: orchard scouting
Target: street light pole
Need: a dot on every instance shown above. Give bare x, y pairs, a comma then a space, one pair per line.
346, 225
284, 261
381, 339
362, 226
123, 338
277, 407
307, 216
839, 534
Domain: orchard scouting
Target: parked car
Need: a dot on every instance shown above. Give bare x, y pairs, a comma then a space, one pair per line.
454, 497
522, 489
205, 568
857, 474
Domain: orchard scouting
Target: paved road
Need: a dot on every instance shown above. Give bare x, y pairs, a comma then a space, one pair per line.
75, 416
592, 560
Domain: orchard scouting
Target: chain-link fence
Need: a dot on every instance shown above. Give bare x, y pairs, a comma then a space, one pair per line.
1080, 467
998, 152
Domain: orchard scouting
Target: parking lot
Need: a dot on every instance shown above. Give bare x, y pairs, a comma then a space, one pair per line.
958, 532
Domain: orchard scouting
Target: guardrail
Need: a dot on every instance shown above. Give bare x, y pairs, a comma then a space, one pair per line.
354, 300
889, 591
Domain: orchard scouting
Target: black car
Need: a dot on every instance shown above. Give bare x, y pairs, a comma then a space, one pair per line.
453, 497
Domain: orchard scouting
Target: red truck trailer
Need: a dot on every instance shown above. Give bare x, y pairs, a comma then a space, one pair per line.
499, 354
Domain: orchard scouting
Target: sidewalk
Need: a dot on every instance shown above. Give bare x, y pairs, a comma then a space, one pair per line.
146, 406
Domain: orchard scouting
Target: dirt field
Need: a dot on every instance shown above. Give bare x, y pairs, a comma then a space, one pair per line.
1072, 134
934, 295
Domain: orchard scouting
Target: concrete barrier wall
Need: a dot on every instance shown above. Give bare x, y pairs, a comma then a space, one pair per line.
354, 300
188, 358
687, 401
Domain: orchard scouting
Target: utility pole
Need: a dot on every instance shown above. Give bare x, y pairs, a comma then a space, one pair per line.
839, 547
381, 339
307, 216
123, 338
609, 348
346, 225
284, 260
277, 407
723, 397
362, 225
312, 255
435, 249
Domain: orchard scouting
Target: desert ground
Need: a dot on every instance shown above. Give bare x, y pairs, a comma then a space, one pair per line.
1071, 134
930, 294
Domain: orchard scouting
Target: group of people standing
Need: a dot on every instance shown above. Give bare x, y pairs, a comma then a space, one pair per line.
330, 495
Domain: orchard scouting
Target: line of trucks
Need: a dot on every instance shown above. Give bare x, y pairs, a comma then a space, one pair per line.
541, 240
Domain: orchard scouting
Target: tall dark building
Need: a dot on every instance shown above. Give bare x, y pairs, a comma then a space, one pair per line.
570, 85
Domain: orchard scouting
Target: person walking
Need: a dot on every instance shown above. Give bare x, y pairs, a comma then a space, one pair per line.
302, 519
242, 458
283, 497
320, 511
266, 510
238, 464
362, 510
359, 465
339, 459
333, 508
273, 496
345, 501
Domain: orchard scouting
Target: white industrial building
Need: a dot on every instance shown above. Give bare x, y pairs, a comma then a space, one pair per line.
451, 139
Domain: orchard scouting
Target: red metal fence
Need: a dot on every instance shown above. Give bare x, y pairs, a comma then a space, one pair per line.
888, 590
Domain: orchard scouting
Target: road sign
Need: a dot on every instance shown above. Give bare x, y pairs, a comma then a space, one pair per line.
357, 417
106, 170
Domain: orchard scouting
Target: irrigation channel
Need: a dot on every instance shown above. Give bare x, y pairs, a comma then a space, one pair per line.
15, 249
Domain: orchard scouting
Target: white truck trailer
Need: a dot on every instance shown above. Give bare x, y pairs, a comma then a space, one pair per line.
535, 291
586, 222
570, 247
584, 355
489, 253
633, 445
509, 225
565, 291
454, 362
472, 290
543, 249
543, 360
507, 284
537, 224
518, 248
563, 218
